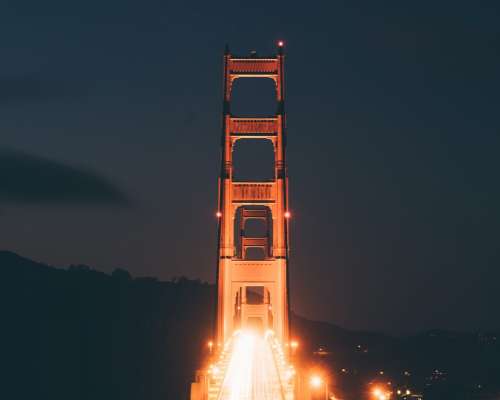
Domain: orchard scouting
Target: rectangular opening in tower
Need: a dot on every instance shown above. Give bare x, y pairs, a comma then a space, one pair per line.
253, 160
255, 294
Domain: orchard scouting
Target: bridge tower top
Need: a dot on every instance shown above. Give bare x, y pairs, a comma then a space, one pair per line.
253, 293
254, 66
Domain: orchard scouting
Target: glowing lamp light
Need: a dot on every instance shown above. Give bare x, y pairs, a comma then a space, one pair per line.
316, 381
294, 344
218, 214
408, 392
379, 394
287, 214
281, 43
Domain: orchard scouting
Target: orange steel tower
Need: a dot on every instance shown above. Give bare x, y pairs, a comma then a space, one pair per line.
253, 293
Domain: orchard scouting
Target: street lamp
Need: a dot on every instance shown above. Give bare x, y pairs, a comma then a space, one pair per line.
317, 382
380, 394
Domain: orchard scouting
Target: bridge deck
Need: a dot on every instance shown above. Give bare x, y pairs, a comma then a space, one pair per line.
254, 370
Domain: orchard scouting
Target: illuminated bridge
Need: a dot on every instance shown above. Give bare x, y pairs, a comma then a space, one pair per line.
251, 367
249, 355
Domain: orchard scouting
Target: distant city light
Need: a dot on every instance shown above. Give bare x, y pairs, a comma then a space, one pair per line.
287, 214
218, 214
281, 43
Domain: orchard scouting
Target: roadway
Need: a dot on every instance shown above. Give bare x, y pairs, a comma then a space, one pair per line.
252, 373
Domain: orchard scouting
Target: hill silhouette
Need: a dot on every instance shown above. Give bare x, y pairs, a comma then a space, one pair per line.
83, 334
78, 333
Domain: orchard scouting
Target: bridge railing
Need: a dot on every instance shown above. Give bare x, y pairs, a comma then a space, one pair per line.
286, 371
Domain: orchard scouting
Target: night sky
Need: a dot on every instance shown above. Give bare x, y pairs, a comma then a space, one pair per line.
110, 116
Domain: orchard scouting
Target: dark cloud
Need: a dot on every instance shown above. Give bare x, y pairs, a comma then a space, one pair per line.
22, 89
29, 179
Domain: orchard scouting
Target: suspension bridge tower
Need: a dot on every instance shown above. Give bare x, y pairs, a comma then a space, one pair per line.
250, 361
253, 292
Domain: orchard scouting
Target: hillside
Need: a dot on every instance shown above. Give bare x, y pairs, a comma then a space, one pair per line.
77, 333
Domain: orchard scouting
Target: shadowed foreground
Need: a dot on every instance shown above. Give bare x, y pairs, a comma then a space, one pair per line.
82, 334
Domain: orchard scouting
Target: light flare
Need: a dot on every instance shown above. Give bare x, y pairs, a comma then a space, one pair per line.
256, 369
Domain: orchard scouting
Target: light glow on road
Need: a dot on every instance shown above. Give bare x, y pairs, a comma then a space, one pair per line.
256, 369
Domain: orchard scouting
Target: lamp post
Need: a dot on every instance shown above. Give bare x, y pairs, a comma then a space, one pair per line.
318, 386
